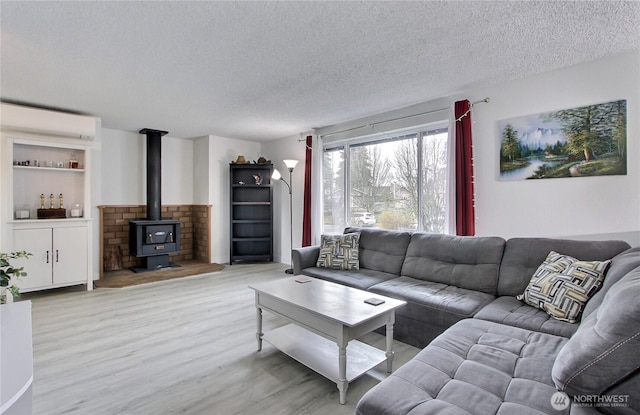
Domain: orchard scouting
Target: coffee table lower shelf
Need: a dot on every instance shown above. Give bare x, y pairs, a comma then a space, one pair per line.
321, 354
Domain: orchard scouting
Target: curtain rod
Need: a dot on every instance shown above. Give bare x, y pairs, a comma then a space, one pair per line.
305, 140
403, 118
471, 106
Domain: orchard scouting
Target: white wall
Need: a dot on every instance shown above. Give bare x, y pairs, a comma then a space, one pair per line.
193, 171
284, 149
590, 207
201, 174
604, 207
96, 198
123, 169
223, 151
593, 207
123, 158
177, 171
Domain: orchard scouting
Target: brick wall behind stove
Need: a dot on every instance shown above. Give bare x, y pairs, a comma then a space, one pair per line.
201, 215
194, 232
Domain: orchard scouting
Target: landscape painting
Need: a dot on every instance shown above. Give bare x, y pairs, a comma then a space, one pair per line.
577, 142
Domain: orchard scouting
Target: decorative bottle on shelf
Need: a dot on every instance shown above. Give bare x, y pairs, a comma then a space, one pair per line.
73, 162
52, 212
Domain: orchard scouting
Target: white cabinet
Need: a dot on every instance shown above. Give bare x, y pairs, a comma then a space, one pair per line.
42, 182
59, 258
69, 255
38, 267
43, 155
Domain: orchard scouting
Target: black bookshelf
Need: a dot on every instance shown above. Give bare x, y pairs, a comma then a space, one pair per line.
251, 212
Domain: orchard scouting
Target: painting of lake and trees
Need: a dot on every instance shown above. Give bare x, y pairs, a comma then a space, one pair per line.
578, 142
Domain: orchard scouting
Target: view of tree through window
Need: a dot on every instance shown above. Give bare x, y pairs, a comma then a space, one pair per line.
396, 182
434, 167
333, 191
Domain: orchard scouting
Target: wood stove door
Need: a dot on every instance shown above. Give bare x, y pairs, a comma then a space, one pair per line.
159, 239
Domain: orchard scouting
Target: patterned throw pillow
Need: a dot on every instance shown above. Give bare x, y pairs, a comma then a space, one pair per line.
562, 285
339, 251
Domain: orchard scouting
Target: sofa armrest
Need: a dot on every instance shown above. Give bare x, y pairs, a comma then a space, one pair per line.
304, 258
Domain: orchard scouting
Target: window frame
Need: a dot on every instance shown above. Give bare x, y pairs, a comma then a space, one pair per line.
420, 131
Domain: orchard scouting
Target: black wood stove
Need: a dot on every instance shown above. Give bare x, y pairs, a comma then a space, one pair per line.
153, 238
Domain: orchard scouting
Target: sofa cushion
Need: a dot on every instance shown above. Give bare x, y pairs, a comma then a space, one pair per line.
443, 305
511, 311
522, 256
466, 262
362, 278
620, 266
562, 285
382, 250
625, 390
604, 350
475, 367
339, 251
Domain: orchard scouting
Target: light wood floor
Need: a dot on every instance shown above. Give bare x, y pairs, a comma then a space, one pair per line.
182, 346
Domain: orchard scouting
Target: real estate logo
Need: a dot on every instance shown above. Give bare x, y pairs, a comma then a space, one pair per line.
560, 401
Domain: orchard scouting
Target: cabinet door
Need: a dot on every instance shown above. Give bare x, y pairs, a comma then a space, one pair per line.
69, 255
38, 267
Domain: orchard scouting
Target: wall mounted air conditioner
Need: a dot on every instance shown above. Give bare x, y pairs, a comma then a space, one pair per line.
20, 118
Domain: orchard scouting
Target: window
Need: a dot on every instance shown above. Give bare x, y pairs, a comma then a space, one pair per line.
391, 181
333, 191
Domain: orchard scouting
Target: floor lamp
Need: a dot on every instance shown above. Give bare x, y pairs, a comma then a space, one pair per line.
291, 164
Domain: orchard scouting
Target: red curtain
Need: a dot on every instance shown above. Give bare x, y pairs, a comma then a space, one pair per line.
306, 214
465, 210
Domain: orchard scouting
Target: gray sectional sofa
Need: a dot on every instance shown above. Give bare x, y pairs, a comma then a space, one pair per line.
486, 352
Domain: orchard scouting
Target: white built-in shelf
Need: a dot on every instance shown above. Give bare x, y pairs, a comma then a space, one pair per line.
62, 248
65, 169
49, 221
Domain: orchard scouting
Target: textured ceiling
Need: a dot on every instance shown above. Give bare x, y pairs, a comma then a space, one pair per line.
266, 70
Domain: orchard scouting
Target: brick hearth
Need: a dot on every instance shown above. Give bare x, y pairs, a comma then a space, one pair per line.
195, 234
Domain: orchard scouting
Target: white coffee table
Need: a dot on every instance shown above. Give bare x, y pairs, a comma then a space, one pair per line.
326, 317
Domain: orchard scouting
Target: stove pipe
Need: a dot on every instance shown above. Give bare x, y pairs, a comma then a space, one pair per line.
154, 172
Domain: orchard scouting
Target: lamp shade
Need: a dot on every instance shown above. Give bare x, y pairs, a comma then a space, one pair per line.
291, 164
276, 175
